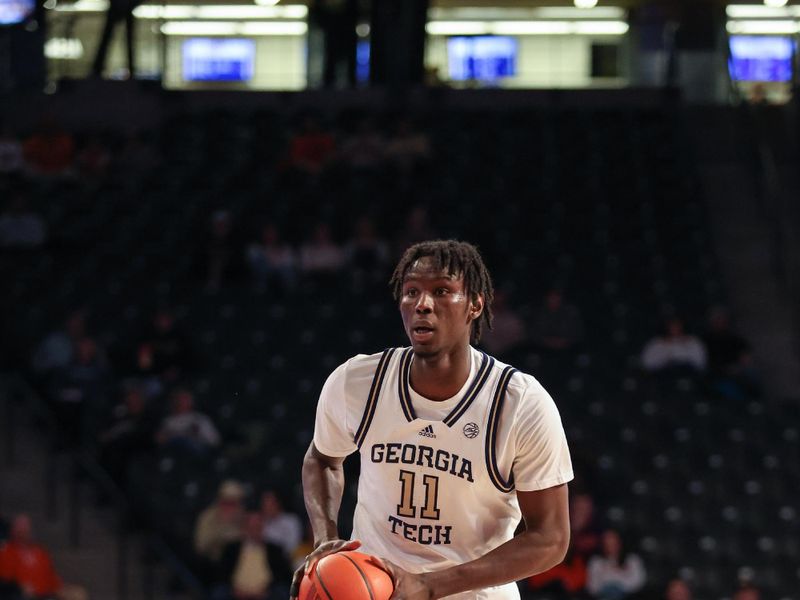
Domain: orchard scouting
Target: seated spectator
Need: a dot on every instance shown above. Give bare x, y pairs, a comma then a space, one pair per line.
616, 573
674, 350
583, 525
557, 326
408, 147
417, 229
11, 156
280, 527
272, 261
57, 349
730, 359
366, 253
565, 581
508, 328
93, 159
321, 255
251, 569
20, 227
77, 389
50, 150
678, 589
311, 149
26, 567
185, 429
747, 591
129, 434
220, 251
164, 353
364, 149
221, 523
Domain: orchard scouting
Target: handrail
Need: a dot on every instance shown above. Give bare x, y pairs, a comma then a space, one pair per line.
84, 462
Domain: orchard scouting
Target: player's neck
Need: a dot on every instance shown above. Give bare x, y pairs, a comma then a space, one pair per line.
441, 376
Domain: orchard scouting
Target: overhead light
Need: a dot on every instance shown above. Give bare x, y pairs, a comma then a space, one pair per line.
775, 3
289, 28
83, 6
63, 48
542, 27
755, 11
585, 3
219, 11
483, 13
267, 2
763, 27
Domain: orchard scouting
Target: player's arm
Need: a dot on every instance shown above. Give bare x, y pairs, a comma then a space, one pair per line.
323, 485
541, 546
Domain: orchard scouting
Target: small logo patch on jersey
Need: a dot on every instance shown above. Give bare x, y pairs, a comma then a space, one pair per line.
471, 430
427, 431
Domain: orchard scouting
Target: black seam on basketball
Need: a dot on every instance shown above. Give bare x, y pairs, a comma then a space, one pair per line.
322, 583
363, 576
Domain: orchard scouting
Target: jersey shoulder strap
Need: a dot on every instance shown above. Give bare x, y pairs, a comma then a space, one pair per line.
495, 413
374, 394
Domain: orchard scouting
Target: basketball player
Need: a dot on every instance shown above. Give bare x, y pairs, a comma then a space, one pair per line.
455, 446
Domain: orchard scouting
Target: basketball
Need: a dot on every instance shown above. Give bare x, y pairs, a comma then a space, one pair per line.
347, 576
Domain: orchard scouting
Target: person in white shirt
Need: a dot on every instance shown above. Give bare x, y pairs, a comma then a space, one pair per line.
455, 446
674, 350
281, 528
615, 574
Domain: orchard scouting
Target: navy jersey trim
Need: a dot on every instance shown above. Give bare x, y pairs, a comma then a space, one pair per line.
403, 383
502, 484
374, 393
472, 392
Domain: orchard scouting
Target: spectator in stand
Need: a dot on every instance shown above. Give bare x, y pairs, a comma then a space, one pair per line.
221, 523
747, 591
57, 349
129, 434
557, 327
363, 150
164, 354
408, 148
79, 389
321, 256
251, 569
417, 229
27, 569
678, 589
93, 159
50, 151
273, 262
730, 359
20, 227
186, 429
280, 527
367, 254
565, 581
508, 328
674, 351
12, 159
583, 526
220, 251
616, 573
311, 149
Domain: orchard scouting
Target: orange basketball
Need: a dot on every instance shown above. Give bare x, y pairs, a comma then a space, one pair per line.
347, 576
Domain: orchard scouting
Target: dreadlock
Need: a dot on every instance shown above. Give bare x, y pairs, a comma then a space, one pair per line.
457, 259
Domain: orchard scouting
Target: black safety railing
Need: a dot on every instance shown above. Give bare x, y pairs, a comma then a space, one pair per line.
164, 574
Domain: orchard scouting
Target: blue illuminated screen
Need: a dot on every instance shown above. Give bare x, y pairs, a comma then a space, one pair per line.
481, 57
761, 58
218, 59
15, 11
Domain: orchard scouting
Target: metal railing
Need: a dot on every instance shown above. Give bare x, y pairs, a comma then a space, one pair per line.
81, 463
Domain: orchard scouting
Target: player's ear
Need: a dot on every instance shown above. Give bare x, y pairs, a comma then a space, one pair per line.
476, 307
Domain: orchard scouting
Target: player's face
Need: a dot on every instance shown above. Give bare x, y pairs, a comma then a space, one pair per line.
436, 309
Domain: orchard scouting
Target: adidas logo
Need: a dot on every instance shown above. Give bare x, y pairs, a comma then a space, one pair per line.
428, 432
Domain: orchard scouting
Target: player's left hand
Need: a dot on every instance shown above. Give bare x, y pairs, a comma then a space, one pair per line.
407, 586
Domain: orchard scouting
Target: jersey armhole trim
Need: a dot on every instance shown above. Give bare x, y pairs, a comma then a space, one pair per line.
372, 399
502, 484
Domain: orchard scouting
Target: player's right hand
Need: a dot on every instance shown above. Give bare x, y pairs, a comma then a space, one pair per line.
321, 551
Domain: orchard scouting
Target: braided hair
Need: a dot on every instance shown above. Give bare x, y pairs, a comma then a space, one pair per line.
460, 259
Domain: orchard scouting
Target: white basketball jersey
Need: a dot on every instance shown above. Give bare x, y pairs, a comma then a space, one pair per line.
438, 493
